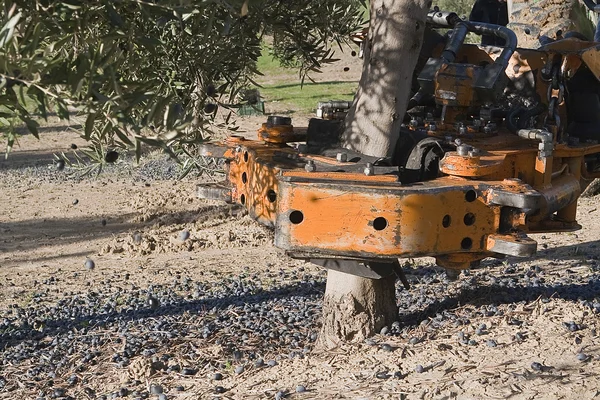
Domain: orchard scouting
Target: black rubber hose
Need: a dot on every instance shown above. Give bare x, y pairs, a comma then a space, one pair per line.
590, 4
510, 123
531, 112
592, 7
501, 32
459, 33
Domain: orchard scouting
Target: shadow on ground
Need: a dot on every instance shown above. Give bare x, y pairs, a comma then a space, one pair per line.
483, 295
63, 326
23, 236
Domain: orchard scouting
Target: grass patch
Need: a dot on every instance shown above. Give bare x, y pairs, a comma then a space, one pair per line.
268, 65
283, 92
295, 97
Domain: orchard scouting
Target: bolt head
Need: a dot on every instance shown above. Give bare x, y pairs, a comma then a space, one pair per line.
369, 170
310, 166
342, 157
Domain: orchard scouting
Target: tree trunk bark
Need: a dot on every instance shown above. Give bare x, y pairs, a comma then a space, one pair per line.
391, 52
355, 308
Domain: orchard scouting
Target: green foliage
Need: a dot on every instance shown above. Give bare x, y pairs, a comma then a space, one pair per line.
144, 71
301, 38
461, 7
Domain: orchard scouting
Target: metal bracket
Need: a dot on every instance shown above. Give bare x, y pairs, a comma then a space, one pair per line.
512, 245
371, 269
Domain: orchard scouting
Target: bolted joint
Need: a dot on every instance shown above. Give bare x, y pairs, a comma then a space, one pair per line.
310, 166
474, 152
342, 157
490, 128
463, 150
369, 170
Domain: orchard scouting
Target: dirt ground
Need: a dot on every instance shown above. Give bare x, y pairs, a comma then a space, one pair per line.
50, 225
541, 315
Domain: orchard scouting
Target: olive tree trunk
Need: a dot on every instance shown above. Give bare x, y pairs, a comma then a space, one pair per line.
355, 308
391, 53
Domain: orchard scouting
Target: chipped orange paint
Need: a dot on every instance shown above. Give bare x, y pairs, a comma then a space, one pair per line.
383, 220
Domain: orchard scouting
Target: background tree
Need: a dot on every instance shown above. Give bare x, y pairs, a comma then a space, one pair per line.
151, 71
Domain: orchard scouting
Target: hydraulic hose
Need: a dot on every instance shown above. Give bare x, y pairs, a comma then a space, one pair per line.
501, 32
457, 39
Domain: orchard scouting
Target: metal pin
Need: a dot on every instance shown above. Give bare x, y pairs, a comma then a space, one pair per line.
310, 166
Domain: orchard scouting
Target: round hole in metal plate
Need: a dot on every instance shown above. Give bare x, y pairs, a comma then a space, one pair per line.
470, 196
245, 156
244, 178
243, 199
296, 217
469, 219
466, 243
271, 196
380, 223
446, 221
